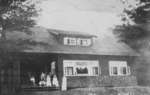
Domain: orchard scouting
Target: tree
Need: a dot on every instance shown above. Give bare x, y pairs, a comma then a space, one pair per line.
135, 32
16, 15
136, 21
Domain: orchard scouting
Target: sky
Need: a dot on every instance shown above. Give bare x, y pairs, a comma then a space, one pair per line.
90, 16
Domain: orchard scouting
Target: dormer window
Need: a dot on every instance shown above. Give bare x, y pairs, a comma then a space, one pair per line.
69, 41
85, 42
73, 38
77, 41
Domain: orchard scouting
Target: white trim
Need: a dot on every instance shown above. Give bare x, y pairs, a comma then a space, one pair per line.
77, 41
72, 41
89, 64
128, 70
119, 65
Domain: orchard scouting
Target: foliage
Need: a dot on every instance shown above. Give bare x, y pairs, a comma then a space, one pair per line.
135, 32
17, 14
135, 27
139, 14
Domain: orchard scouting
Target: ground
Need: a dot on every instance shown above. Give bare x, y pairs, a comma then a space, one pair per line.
95, 91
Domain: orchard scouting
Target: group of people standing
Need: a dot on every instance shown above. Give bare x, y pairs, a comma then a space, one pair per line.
47, 79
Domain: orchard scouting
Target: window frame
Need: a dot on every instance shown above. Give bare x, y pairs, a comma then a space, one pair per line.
67, 69
69, 41
95, 72
89, 68
75, 41
119, 65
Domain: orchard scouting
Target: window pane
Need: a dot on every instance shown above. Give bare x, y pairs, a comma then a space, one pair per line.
69, 41
66, 41
118, 67
81, 42
72, 41
124, 70
115, 71
95, 70
69, 70
129, 71
81, 67
78, 41
82, 70
86, 42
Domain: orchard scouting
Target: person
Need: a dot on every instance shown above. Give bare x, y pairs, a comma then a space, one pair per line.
32, 79
42, 83
64, 83
53, 67
55, 81
53, 71
48, 80
43, 79
43, 76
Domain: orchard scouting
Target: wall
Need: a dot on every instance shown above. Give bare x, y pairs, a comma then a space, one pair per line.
106, 81
103, 79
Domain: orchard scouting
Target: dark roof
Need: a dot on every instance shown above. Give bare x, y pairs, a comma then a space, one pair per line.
42, 41
70, 33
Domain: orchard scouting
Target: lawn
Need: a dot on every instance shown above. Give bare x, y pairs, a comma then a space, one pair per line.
95, 91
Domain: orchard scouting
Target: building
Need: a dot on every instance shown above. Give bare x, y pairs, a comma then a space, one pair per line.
85, 59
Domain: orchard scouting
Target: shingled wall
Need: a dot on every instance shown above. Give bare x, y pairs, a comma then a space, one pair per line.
98, 81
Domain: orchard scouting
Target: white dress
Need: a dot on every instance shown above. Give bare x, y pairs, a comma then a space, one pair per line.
64, 84
55, 81
48, 81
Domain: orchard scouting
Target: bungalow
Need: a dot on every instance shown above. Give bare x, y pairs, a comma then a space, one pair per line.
86, 60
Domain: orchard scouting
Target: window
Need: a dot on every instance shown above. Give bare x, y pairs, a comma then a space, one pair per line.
69, 41
114, 70
82, 70
81, 67
69, 70
95, 70
123, 70
77, 41
118, 68
85, 42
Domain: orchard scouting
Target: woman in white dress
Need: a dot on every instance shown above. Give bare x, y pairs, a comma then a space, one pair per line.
55, 81
48, 81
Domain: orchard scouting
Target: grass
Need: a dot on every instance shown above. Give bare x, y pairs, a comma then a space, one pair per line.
95, 91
